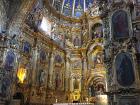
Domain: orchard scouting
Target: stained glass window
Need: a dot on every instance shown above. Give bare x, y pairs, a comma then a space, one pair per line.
68, 5
79, 8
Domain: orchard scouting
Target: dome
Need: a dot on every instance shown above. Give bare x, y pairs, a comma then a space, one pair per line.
71, 8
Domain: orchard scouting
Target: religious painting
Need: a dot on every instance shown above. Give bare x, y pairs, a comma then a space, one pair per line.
42, 56
42, 77
124, 69
58, 80
76, 41
128, 101
26, 47
97, 59
4, 87
58, 59
9, 61
120, 26
97, 31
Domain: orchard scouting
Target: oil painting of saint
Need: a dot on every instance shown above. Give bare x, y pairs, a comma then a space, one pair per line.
124, 69
76, 41
97, 31
26, 47
4, 87
120, 25
57, 80
9, 61
42, 56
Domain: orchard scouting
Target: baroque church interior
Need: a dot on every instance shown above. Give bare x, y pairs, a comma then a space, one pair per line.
65, 52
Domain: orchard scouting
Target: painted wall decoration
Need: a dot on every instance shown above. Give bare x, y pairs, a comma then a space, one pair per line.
128, 101
124, 69
120, 25
9, 61
26, 47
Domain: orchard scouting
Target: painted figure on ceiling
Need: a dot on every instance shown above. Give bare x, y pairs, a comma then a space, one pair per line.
57, 80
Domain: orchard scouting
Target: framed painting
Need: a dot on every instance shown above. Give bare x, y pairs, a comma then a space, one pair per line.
9, 61
120, 25
26, 47
124, 69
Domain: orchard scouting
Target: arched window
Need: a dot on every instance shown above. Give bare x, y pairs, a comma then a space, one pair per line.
79, 8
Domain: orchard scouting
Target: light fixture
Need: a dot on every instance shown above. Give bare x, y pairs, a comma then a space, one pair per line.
21, 74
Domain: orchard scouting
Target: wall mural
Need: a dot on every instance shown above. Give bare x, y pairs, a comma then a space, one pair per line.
120, 25
9, 61
124, 69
